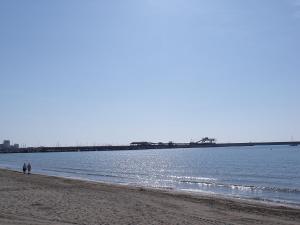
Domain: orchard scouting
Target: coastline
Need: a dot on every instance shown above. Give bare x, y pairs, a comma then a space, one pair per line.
174, 190
41, 199
192, 193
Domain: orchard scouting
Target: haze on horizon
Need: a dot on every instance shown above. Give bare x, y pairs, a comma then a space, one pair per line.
112, 72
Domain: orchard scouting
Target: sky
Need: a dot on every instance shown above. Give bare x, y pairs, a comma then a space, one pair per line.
92, 72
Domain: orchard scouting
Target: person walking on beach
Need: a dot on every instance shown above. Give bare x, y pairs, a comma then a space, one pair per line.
29, 168
24, 168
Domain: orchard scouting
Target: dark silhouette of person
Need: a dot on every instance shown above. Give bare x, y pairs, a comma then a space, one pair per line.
24, 168
29, 168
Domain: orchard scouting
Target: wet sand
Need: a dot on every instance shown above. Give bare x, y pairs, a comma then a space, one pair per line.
37, 199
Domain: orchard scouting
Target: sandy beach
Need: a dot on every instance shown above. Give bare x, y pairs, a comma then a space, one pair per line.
37, 199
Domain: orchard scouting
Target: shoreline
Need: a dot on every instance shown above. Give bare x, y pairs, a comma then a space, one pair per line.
192, 193
56, 200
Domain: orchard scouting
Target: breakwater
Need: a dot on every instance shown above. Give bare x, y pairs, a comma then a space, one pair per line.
144, 146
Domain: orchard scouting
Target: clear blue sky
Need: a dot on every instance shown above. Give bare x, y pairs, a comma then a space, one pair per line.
111, 72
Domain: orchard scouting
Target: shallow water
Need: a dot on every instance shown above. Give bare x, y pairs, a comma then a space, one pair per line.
270, 173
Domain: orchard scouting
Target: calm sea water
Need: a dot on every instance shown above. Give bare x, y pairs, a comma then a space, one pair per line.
266, 173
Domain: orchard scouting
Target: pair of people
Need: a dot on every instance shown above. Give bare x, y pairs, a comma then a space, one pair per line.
26, 167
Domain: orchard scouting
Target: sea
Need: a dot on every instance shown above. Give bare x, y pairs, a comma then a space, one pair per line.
264, 173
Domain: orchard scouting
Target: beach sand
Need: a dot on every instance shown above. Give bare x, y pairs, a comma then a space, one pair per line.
37, 199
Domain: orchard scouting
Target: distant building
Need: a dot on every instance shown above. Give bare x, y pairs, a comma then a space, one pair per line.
6, 144
170, 144
141, 143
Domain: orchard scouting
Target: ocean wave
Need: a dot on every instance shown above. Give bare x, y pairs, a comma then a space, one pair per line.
86, 174
240, 187
204, 182
191, 178
99, 171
